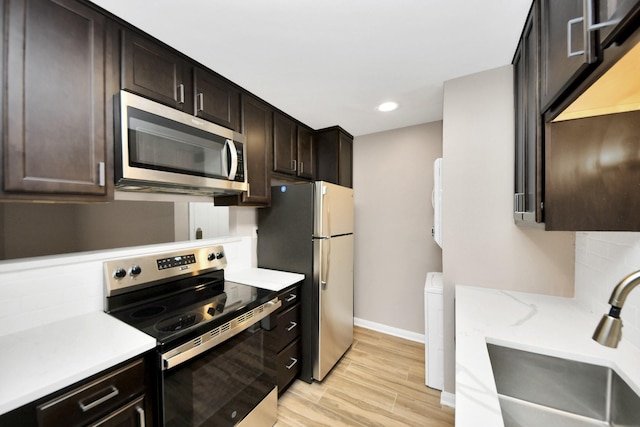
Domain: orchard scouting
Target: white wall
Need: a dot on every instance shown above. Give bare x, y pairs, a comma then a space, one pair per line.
482, 245
394, 250
602, 260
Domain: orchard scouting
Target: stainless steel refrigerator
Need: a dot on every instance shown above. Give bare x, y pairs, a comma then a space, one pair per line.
309, 229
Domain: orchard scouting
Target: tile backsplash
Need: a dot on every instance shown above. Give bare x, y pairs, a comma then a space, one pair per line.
602, 260
39, 291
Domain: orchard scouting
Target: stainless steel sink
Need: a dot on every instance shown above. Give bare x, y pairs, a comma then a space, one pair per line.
539, 390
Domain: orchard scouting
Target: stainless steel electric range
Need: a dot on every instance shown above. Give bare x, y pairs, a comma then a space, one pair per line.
214, 367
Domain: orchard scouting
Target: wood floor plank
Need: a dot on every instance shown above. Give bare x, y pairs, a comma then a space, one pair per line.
378, 382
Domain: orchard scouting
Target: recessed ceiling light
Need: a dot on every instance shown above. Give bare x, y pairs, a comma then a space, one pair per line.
387, 106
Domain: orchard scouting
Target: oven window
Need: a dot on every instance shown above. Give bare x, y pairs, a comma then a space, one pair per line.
222, 386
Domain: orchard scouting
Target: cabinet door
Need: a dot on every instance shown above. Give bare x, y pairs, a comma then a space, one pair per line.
592, 173
345, 166
155, 72
55, 96
216, 100
617, 18
306, 158
334, 152
567, 48
285, 143
528, 149
98, 399
258, 131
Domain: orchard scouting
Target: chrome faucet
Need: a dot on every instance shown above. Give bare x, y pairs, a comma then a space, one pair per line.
609, 330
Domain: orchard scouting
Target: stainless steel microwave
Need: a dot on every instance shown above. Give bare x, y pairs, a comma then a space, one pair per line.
160, 149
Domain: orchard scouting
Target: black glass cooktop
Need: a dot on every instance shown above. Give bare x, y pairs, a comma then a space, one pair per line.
184, 309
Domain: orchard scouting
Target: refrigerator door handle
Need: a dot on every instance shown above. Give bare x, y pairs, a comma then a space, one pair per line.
325, 246
328, 202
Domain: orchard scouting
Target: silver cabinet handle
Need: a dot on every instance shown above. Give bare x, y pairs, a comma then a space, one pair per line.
294, 165
291, 297
181, 93
293, 363
293, 325
301, 167
113, 393
591, 26
140, 412
101, 174
200, 98
570, 51
519, 203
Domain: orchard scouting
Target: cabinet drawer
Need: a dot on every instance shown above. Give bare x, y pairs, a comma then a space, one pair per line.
289, 297
94, 399
131, 414
288, 365
288, 327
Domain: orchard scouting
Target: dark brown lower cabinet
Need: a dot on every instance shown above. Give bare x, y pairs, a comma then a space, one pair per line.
119, 397
593, 173
115, 399
288, 365
285, 338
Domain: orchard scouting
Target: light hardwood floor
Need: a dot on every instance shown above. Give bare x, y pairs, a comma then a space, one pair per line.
379, 382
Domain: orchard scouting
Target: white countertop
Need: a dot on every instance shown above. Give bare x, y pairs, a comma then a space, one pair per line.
544, 324
44, 359
273, 280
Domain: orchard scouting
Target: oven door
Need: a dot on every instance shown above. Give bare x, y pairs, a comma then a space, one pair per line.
223, 386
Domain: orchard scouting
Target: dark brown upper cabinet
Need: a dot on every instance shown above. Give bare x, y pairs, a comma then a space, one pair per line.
593, 172
615, 19
574, 34
305, 155
257, 120
284, 145
334, 156
528, 200
592, 167
568, 48
57, 144
157, 72
216, 100
292, 148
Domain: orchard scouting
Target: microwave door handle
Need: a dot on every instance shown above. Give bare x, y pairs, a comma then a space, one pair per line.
233, 167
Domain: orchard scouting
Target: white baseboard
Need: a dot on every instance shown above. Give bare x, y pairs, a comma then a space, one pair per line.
389, 330
448, 399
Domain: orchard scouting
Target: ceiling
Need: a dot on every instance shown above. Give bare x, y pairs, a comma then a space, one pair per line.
331, 62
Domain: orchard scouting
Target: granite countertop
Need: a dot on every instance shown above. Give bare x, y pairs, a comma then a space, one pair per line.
548, 325
45, 359
272, 280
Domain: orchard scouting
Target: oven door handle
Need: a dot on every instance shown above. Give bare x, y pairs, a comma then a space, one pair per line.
218, 335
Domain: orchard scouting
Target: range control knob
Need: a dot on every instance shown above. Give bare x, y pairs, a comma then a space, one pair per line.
119, 273
211, 256
220, 255
135, 270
